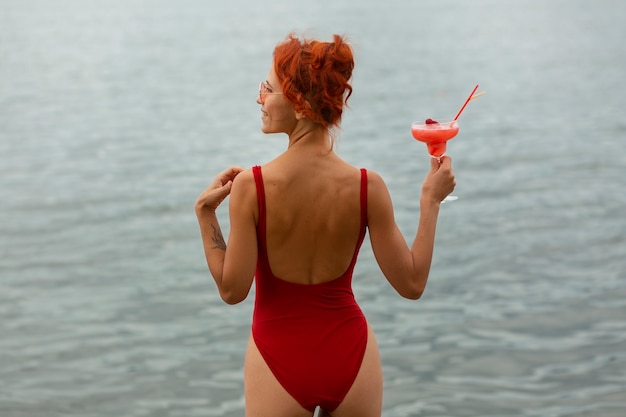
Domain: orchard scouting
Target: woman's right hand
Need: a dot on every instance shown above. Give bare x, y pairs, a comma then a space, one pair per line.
439, 181
218, 190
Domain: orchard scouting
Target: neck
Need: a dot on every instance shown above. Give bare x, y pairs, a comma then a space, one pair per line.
310, 136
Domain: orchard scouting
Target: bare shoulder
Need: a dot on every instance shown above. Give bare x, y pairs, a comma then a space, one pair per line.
243, 190
379, 204
375, 183
244, 179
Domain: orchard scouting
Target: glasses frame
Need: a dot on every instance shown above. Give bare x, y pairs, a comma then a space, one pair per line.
264, 90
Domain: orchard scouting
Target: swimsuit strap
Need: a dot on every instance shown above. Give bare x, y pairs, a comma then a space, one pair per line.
363, 198
261, 226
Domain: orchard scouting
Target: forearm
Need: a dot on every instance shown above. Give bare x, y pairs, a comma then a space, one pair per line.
424, 243
213, 242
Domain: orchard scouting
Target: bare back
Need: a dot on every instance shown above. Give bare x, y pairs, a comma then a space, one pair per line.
313, 217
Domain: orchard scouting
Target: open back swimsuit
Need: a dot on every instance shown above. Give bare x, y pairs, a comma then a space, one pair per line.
312, 336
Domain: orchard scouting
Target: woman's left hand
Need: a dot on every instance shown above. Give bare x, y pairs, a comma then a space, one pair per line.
218, 190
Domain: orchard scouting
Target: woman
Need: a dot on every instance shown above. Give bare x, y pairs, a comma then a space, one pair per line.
297, 224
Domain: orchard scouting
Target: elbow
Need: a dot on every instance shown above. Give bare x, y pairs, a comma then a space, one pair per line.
232, 298
233, 295
413, 291
412, 294
233, 289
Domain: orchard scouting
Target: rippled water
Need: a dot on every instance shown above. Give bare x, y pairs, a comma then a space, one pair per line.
115, 114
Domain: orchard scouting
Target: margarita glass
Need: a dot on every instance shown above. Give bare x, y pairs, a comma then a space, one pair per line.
435, 135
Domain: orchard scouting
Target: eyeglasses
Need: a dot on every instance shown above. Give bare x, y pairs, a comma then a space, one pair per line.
265, 89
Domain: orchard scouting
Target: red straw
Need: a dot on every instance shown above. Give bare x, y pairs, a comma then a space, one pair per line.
466, 101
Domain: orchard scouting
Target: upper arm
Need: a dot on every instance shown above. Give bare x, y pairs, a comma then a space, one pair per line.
241, 251
388, 244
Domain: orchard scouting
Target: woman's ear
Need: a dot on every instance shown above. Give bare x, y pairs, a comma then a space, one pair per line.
299, 114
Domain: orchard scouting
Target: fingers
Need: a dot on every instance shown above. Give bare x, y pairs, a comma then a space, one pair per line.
213, 196
234, 170
223, 191
440, 180
445, 168
446, 162
228, 174
443, 162
434, 164
227, 187
219, 189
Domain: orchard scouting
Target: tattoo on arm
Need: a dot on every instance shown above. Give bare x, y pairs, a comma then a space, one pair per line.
218, 239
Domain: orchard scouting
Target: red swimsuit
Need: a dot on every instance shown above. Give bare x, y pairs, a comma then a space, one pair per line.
312, 337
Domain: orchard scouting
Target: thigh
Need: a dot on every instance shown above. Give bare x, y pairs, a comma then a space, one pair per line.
365, 398
264, 394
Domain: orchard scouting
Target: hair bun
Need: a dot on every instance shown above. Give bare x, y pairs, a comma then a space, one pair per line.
315, 76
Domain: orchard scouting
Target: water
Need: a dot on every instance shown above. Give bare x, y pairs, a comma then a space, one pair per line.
115, 114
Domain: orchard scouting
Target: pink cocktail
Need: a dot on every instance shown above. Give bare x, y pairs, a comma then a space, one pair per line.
435, 135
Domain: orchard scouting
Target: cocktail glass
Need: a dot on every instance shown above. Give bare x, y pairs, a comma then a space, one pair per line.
436, 135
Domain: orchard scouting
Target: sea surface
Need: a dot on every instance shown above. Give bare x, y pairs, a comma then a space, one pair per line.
115, 114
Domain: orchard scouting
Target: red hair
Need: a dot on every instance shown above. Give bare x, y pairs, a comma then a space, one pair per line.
314, 76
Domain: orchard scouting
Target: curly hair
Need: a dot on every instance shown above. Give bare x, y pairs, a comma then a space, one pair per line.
315, 76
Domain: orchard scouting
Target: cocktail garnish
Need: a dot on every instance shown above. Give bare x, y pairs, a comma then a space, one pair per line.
431, 122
